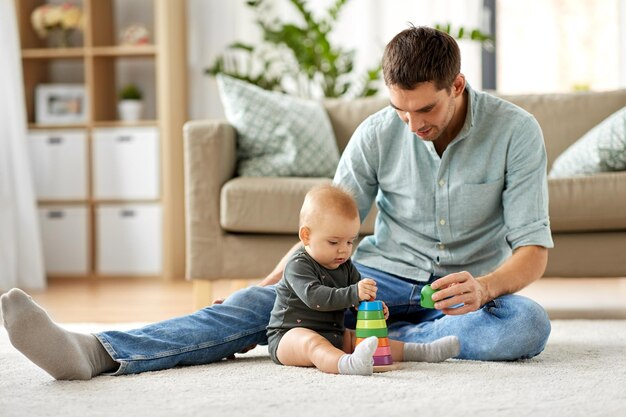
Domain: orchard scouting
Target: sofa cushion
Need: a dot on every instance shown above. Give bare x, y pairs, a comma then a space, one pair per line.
601, 149
582, 111
278, 134
565, 117
345, 116
588, 203
268, 205
272, 205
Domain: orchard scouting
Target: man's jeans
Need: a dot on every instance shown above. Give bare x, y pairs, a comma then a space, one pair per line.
507, 328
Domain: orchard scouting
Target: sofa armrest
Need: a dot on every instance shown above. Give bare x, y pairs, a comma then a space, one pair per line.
210, 161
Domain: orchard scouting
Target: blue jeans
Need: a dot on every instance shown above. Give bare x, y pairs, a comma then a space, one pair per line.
508, 328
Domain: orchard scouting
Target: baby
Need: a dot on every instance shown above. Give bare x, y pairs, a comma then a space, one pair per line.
306, 327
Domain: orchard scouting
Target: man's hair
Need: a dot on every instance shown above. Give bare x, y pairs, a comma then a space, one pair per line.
327, 199
421, 54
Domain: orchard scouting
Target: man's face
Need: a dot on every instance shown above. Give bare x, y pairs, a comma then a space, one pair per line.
425, 109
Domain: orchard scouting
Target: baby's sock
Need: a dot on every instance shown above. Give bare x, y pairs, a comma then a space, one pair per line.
62, 354
361, 362
437, 351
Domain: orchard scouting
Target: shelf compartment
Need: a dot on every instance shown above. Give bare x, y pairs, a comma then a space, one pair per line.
108, 19
59, 164
129, 239
126, 163
28, 36
111, 74
49, 71
65, 239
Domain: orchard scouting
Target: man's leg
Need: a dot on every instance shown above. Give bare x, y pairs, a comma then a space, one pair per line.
508, 328
63, 354
205, 336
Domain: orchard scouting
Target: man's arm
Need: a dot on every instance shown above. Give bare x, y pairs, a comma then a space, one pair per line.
277, 273
525, 212
525, 266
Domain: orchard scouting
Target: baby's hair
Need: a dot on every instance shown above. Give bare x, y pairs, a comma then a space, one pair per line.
328, 198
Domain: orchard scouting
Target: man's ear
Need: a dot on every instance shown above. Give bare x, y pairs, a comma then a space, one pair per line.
458, 85
304, 233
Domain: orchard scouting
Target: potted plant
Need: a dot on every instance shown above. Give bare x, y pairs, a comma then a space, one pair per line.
301, 59
130, 105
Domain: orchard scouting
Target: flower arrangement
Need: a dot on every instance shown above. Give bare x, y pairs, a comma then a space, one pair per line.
59, 19
135, 34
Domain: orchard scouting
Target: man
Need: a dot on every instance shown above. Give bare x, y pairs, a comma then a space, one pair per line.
459, 178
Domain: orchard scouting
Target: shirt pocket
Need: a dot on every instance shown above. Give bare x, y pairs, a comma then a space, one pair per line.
481, 203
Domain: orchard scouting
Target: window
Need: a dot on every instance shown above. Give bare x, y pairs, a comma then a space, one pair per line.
560, 45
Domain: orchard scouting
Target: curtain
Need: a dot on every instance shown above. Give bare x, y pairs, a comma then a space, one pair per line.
21, 259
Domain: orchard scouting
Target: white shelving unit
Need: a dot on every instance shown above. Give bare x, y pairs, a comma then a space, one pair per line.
110, 192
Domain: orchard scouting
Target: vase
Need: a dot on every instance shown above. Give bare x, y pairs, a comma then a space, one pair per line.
59, 38
130, 110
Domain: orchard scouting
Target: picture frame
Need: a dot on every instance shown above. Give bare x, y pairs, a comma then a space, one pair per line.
60, 104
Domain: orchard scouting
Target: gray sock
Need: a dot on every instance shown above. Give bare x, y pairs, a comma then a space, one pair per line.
361, 362
437, 351
61, 353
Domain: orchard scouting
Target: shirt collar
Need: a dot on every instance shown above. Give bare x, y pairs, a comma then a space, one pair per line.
469, 115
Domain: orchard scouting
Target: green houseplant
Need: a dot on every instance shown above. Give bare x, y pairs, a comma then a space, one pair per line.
300, 59
130, 103
297, 54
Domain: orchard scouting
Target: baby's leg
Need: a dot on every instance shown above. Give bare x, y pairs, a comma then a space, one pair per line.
305, 347
437, 351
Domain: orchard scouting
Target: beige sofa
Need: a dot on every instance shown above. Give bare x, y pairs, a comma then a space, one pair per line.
239, 227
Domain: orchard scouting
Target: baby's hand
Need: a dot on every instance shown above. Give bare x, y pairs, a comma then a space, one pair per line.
367, 289
385, 310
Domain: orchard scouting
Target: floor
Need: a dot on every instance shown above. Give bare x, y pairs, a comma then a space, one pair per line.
580, 298
115, 301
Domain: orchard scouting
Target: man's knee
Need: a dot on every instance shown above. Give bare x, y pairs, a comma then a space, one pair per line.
537, 327
253, 297
526, 331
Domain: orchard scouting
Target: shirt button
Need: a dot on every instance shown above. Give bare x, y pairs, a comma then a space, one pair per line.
441, 246
442, 222
442, 182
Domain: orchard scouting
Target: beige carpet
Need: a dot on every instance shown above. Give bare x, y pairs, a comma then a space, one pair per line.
581, 373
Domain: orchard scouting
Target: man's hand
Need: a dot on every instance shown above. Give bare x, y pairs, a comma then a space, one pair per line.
244, 350
459, 288
367, 289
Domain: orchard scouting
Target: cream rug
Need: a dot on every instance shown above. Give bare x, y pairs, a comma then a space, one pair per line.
582, 372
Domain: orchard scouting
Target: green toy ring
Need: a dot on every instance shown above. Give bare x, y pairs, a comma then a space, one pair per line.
426, 296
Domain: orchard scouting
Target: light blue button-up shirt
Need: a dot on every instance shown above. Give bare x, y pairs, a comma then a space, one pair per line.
464, 211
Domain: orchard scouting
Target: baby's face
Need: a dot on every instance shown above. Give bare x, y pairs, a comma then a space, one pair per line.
331, 240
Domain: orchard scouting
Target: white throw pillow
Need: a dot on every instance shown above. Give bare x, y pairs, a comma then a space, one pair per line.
278, 135
601, 149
